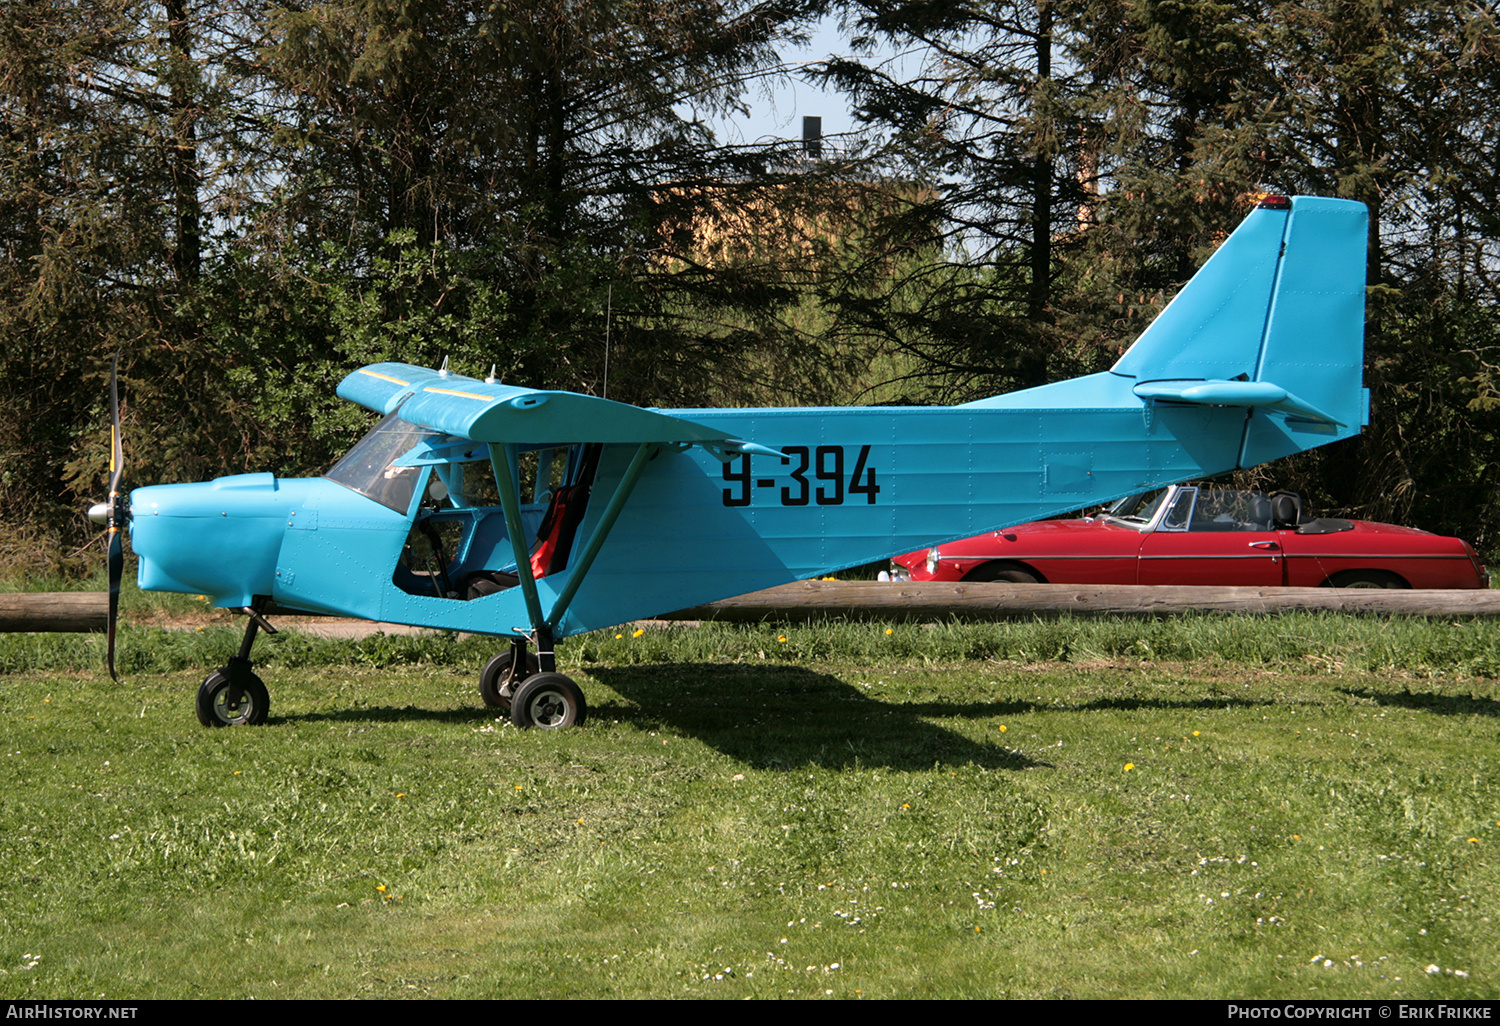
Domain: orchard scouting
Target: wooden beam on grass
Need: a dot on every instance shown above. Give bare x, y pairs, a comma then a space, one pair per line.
62, 611
877, 600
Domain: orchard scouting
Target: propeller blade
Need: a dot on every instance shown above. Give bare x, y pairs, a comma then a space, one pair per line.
116, 443
117, 514
116, 571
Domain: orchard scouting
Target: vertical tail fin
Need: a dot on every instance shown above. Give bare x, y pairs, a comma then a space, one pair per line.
1273, 321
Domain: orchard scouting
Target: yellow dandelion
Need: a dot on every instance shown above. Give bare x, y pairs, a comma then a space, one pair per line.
1129, 766
1195, 733
904, 805
1473, 840
638, 632
1002, 728
380, 888
580, 821
618, 636
888, 630
236, 772
400, 794
781, 637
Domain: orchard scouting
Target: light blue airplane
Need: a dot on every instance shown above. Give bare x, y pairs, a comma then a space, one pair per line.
536, 515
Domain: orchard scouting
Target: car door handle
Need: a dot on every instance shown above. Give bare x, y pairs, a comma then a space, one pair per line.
1264, 545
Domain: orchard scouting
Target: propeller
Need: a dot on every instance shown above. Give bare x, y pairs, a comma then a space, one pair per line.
115, 513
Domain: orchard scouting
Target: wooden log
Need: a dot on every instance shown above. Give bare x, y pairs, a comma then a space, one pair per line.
74, 611
877, 600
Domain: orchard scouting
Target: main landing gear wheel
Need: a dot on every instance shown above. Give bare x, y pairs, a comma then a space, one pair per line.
496, 685
215, 710
548, 701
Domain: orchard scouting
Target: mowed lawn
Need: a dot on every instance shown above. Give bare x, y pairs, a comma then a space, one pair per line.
840, 812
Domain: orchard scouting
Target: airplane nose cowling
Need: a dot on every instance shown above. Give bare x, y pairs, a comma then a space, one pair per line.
218, 538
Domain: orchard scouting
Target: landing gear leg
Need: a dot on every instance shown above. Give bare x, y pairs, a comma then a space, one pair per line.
233, 695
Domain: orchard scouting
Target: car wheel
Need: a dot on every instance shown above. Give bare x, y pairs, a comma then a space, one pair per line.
1366, 579
1003, 574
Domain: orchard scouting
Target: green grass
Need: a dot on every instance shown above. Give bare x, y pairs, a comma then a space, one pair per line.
1310, 811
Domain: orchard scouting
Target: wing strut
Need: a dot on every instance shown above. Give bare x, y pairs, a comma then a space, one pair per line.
510, 502
601, 531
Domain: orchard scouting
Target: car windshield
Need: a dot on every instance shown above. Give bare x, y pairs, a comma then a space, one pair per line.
367, 468
1136, 510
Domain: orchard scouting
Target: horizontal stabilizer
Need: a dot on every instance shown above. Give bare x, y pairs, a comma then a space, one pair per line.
1261, 394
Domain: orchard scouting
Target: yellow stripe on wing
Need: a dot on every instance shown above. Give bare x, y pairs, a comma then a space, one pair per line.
464, 395
383, 377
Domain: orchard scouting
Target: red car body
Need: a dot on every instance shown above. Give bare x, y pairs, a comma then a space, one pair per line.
1205, 535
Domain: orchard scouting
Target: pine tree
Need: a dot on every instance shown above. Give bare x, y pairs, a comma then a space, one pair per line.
531, 148
995, 122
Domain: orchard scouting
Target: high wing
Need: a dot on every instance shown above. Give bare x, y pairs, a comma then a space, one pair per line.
487, 411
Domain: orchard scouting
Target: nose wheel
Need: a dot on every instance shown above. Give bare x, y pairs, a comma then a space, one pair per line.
245, 702
233, 696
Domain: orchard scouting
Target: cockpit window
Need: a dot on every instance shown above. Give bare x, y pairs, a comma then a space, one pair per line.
367, 469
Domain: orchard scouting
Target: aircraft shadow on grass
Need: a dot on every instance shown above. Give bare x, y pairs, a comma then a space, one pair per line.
780, 716
769, 715
1443, 705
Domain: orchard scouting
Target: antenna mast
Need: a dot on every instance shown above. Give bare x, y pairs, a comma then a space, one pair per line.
609, 299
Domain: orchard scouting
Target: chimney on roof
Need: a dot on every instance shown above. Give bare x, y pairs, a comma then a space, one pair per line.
812, 137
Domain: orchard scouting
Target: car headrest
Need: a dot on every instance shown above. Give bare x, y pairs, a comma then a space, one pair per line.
1284, 510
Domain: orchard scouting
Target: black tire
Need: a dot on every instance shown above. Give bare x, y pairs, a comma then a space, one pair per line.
496, 675
1366, 579
548, 701
215, 711
1001, 573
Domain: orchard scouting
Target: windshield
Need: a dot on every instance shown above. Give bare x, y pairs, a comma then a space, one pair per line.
367, 467
1136, 510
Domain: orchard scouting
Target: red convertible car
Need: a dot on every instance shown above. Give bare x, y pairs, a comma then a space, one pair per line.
1199, 534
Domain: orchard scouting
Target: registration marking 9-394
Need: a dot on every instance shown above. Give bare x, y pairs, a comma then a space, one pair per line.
828, 485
